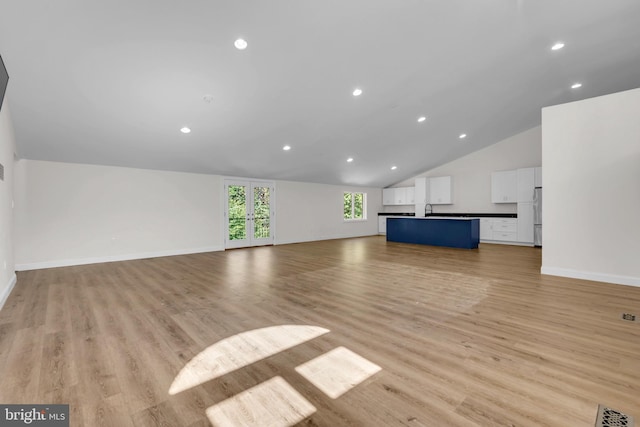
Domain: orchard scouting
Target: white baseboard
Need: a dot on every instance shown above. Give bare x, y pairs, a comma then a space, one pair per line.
113, 258
503, 242
7, 290
589, 275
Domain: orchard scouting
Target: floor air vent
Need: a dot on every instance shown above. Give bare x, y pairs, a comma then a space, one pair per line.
628, 316
608, 417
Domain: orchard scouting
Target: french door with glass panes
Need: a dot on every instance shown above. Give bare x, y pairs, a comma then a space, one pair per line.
249, 210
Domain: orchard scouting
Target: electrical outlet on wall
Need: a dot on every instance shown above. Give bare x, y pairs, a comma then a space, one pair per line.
5, 264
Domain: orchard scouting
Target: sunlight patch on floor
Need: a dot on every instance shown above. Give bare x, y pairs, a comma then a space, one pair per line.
241, 350
337, 371
272, 403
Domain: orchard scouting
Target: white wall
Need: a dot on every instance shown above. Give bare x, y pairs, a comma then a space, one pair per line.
70, 214
471, 174
306, 212
7, 149
591, 181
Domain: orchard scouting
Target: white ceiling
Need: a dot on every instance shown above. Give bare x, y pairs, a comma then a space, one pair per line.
112, 82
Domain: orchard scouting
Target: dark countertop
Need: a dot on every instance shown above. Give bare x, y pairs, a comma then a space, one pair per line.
463, 215
396, 214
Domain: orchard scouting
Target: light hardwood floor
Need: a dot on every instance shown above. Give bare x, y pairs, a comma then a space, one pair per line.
461, 337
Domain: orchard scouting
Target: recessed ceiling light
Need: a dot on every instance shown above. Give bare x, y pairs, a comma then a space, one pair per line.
357, 92
421, 119
185, 130
576, 85
286, 148
350, 159
394, 168
462, 136
557, 46
240, 44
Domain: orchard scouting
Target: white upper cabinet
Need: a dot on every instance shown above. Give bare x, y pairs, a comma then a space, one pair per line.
538, 176
440, 190
434, 190
526, 184
388, 194
410, 198
504, 187
398, 196
421, 191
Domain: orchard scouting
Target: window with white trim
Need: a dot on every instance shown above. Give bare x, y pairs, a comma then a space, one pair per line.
355, 206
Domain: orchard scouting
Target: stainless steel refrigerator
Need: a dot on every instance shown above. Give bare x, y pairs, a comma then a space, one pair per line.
537, 216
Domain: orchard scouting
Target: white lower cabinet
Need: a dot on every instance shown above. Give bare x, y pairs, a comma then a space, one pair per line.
505, 236
486, 232
505, 229
499, 229
525, 222
382, 225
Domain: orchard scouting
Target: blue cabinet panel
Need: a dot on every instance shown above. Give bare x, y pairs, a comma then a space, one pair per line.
454, 233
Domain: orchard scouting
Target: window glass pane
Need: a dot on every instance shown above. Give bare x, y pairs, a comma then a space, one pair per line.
261, 212
237, 212
348, 206
358, 205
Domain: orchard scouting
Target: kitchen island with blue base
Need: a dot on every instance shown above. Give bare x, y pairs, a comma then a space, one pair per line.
450, 232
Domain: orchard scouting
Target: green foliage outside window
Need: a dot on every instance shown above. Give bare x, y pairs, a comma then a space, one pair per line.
358, 205
348, 205
238, 212
354, 205
261, 212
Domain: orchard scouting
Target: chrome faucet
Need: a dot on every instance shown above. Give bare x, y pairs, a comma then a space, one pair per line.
428, 209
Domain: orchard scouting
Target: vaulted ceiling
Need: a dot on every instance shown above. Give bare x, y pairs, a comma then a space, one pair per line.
113, 82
